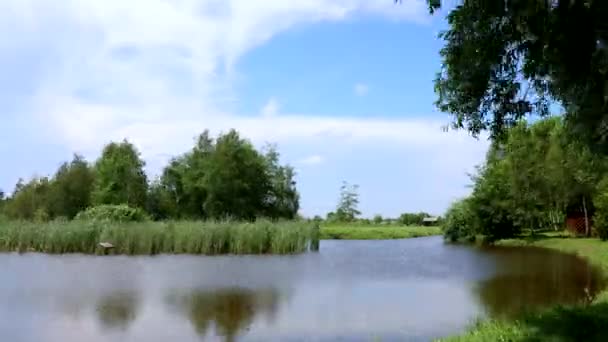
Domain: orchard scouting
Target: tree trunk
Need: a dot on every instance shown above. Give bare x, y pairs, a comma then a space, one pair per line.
587, 232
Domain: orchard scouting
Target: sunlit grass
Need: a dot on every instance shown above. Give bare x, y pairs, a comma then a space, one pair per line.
192, 237
375, 232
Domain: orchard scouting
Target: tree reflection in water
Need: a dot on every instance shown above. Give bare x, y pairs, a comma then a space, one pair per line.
230, 310
117, 310
533, 278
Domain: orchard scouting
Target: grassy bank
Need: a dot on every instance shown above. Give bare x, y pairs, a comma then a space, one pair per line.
375, 232
147, 238
564, 323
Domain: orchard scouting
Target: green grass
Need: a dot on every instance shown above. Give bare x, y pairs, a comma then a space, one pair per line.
375, 232
148, 238
584, 322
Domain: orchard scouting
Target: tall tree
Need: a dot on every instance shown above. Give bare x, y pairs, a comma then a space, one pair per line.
236, 181
71, 188
504, 59
119, 176
283, 200
30, 200
348, 205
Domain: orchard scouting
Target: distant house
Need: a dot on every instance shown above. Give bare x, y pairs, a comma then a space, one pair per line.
430, 221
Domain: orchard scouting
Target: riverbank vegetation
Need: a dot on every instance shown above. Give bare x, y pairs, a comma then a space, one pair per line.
533, 179
338, 231
222, 196
169, 237
584, 322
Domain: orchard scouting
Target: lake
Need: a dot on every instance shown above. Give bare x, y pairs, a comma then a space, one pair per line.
390, 290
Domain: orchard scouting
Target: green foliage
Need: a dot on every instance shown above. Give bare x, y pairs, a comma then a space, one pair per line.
347, 210
222, 178
120, 177
460, 222
412, 219
149, 238
237, 182
530, 180
378, 219
498, 68
113, 213
374, 232
71, 188
29, 200
283, 199
600, 218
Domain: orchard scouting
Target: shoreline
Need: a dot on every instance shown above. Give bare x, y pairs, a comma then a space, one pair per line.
581, 322
375, 232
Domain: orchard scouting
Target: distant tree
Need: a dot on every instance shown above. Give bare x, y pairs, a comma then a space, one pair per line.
412, 219
30, 200
120, 177
71, 188
347, 209
378, 219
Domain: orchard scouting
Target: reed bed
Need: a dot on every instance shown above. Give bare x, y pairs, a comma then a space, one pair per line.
149, 238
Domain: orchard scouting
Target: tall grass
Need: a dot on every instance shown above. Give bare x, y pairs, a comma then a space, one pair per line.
191, 237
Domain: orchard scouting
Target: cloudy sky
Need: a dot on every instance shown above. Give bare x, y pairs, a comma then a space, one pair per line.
344, 87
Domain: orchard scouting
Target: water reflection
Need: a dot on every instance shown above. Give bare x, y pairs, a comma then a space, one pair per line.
532, 278
229, 311
117, 310
403, 290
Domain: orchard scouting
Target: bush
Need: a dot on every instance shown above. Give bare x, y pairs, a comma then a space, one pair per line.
460, 222
113, 213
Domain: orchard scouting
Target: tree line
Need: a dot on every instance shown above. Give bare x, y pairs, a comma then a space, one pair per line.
225, 177
347, 211
532, 179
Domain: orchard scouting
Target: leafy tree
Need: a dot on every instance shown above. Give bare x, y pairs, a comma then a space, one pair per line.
71, 188
460, 221
503, 60
347, 209
120, 177
30, 200
378, 219
600, 218
236, 182
283, 200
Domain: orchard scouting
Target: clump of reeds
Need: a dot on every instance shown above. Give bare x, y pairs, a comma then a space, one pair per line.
191, 237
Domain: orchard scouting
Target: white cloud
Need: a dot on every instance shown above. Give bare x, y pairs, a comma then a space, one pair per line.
271, 108
159, 72
311, 160
361, 89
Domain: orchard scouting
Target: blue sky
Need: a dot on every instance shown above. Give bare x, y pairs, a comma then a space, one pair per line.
343, 87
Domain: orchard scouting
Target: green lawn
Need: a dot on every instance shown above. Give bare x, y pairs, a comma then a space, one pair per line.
572, 323
375, 232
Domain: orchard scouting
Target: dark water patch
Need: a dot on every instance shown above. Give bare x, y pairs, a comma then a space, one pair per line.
394, 290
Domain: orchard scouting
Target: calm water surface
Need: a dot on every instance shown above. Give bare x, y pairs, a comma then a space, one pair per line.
398, 290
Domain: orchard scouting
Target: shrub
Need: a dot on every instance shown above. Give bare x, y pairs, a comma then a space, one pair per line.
113, 213
460, 222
